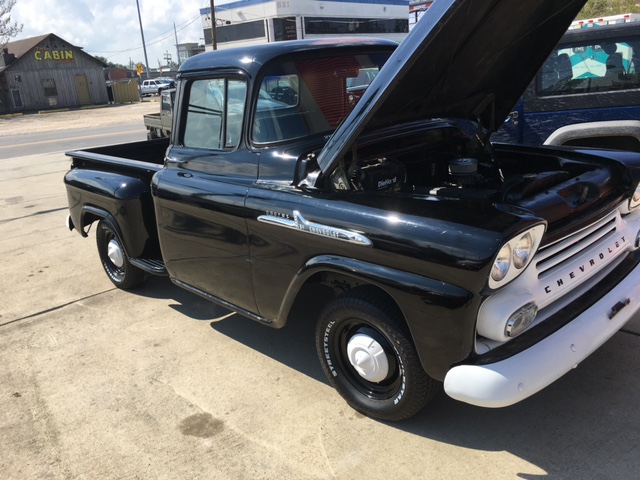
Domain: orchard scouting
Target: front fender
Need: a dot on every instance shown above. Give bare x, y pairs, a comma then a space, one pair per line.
440, 316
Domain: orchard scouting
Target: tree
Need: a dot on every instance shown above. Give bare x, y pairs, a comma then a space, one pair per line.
102, 59
602, 8
111, 64
8, 28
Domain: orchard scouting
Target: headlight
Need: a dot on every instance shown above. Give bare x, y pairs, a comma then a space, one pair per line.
522, 251
635, 198
501, 265
517, 252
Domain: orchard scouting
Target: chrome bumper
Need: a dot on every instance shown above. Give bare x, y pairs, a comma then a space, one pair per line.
511, 380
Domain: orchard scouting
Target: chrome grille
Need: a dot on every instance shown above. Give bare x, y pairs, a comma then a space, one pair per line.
554, 256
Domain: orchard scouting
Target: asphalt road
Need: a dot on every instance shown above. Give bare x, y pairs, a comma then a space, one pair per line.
34, 134
98, 383
76, 138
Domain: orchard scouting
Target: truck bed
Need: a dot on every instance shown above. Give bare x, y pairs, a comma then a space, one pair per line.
153, 120
113, 183
146, 155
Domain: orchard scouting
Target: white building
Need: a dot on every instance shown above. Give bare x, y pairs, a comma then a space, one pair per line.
251, 22
186, 50
416, 9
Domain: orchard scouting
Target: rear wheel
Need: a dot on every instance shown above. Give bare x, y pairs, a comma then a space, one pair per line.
114, 258
367, 354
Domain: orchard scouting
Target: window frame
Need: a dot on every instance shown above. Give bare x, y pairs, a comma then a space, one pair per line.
593, 55
285, 69
535, 103
49, 89
224, 129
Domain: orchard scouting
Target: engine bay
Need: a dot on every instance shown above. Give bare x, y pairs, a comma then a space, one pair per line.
445, 162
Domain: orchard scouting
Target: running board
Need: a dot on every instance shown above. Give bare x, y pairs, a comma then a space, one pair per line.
150, 265
222, 303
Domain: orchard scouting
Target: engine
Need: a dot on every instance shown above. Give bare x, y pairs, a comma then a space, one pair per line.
441, 162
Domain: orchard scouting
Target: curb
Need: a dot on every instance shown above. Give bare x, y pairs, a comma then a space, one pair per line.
11, 115
41, 112
91, 107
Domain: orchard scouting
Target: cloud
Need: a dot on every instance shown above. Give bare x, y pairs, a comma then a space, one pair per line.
110, 28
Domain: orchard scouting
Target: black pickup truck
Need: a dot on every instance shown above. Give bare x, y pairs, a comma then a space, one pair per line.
491, 268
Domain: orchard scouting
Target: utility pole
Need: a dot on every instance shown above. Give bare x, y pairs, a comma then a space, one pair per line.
144, 47
214, 40
177, 49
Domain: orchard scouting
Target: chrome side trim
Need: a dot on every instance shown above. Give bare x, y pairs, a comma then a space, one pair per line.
302, 224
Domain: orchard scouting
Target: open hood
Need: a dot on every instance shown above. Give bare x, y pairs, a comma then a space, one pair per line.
468, 59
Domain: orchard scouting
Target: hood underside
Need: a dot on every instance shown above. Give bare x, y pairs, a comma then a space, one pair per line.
468, 59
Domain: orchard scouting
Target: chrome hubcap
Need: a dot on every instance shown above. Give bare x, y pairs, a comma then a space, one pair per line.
368, 358
114, 252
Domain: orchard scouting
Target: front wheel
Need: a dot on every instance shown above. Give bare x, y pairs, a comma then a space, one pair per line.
114, 259
367, 354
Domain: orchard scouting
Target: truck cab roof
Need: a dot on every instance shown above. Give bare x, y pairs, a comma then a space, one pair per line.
253, 58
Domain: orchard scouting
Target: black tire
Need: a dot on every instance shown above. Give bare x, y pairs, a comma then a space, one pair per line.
406, 387
119, 270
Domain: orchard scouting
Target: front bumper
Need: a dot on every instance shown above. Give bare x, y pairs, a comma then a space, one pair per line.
70, 224
511, 380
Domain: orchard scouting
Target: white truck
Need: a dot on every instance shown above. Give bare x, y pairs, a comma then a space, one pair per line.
154, 86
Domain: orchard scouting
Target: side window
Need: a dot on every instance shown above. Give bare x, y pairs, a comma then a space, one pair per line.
50, 89
215, 110
586, 68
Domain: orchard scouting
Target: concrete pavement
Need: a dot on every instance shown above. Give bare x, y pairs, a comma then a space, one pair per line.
98, 383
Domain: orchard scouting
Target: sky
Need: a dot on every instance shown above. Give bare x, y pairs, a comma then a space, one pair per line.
110, 28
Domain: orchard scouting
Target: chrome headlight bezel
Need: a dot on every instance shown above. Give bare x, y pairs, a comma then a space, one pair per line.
522, 248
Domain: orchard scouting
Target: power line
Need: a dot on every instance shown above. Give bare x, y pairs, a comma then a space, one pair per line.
167, 34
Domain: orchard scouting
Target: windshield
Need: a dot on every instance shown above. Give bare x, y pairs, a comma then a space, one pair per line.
311, 95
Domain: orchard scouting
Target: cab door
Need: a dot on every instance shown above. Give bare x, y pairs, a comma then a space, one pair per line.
200, 194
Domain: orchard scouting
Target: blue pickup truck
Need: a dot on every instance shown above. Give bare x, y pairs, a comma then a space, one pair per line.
587, 93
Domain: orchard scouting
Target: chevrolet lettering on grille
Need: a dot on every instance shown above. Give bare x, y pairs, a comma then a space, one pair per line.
586, 268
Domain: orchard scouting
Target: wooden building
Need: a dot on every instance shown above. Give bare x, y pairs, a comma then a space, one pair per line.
47, 72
